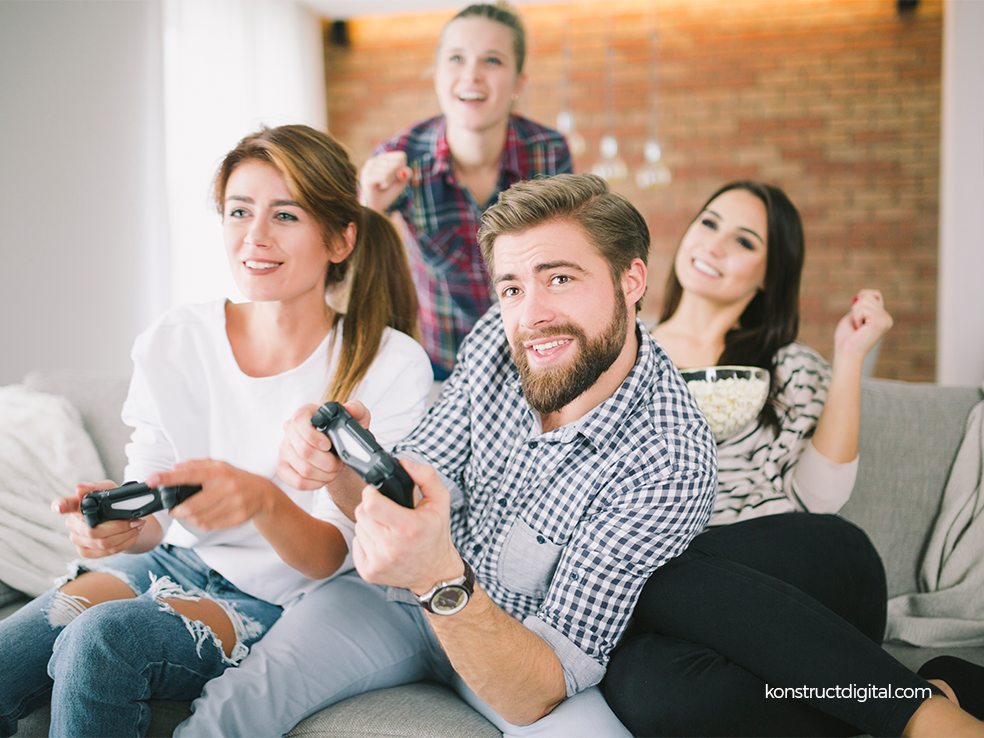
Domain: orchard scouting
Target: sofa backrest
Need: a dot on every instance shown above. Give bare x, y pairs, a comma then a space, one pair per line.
910, 434
99, 401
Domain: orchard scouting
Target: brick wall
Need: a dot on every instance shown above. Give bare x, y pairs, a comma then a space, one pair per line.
836, 101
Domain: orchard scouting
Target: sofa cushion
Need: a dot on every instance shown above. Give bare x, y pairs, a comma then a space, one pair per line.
420, 710
9, 596
910, 434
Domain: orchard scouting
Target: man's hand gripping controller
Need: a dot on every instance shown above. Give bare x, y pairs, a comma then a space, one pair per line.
357, 447
132, 500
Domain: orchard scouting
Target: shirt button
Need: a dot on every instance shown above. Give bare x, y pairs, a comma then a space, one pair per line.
573, 576
502, 501
477, 548
541, 539
533, 444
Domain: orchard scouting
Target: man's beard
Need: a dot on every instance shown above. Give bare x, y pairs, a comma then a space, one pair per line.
552, 388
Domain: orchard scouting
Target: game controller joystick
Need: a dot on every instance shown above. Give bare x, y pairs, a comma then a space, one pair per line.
132, 500
357, 447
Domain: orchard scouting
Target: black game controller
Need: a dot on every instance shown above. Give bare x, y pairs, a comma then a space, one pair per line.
132, 500
357, 447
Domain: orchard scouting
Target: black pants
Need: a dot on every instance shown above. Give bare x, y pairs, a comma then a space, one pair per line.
794, 600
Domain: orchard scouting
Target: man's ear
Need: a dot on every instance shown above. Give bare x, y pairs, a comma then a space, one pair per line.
344, 245
634, 281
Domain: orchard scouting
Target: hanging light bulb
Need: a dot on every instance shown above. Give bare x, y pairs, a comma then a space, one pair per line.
610, 167
575, 141
654, 172
565, 118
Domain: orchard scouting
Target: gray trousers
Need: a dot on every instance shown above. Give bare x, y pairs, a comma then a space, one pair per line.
345, 639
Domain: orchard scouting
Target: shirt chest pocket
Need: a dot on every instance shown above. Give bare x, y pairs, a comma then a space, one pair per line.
528, 560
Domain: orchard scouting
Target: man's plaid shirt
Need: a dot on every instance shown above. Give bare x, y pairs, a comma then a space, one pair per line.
564, 528
443, 218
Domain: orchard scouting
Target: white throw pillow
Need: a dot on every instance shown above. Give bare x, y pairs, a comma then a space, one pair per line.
44, 452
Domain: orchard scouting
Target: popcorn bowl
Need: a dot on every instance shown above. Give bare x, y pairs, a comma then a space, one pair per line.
730, 396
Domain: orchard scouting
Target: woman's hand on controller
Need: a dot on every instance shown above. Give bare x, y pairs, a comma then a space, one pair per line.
229, 496
306, 460
106, 539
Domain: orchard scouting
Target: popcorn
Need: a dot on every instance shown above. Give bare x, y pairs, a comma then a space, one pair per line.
731, 402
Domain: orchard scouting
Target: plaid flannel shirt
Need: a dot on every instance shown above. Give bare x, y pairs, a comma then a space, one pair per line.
564, 528
443, 218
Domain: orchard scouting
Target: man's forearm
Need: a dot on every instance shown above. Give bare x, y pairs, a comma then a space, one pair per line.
346, 491
510, 668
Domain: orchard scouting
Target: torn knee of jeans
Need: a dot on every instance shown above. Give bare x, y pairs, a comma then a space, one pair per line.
244, 628
78, 568
64, 608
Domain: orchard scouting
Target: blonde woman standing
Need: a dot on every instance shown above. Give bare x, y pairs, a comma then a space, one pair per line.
441, 174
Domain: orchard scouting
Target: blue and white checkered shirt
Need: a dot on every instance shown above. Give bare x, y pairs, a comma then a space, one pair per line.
564, 528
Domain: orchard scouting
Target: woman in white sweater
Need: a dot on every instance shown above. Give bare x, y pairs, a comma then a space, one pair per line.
772, 595
191, 589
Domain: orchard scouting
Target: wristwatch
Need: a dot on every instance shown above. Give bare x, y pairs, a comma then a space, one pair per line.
449, 597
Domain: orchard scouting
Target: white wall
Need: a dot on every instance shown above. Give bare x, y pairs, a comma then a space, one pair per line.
960, 353
82, 228
99, 232
230, 67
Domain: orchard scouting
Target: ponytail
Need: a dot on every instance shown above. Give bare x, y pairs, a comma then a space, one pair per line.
381, 295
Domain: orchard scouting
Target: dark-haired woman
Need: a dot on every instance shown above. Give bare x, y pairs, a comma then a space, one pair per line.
441, 174
190, 591
772, 595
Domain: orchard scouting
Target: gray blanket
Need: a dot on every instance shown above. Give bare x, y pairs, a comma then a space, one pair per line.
949, 608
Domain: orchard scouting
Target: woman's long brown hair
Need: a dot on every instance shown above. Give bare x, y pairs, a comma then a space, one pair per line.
771, 319
320, 175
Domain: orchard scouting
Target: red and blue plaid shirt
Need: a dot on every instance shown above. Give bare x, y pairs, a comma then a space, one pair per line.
443, 217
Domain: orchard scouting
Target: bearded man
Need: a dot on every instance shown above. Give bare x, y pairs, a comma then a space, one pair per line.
564, 462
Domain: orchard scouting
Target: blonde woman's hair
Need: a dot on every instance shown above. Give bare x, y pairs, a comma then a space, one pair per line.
503, 13
320, 175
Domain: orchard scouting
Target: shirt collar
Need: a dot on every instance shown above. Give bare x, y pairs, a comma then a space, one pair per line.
442, 153
511, 154
511, 163
597, 425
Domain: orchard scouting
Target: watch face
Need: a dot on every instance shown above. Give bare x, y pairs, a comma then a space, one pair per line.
449, 600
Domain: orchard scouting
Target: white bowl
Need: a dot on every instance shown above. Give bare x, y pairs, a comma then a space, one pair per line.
730, 396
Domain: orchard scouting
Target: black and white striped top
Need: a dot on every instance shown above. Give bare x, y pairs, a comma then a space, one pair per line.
762, 473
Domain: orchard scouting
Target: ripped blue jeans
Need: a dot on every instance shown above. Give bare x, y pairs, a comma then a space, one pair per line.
100, 665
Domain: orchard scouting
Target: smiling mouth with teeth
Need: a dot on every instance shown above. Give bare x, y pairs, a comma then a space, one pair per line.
471, 96
705, 268
540, 348
262, 264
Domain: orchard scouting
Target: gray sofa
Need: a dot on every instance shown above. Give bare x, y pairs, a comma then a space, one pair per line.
909, 437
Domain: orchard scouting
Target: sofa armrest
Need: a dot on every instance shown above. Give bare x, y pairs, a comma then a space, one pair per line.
910, 433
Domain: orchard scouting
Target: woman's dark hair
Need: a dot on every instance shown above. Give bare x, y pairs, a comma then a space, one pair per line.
771, 319
320, 175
